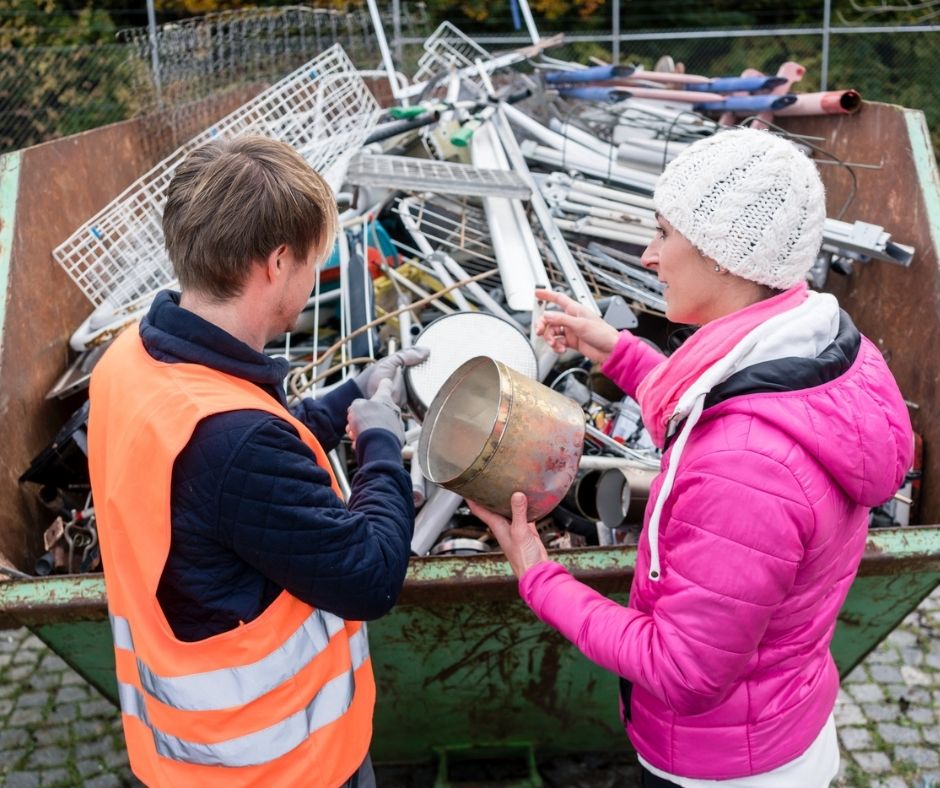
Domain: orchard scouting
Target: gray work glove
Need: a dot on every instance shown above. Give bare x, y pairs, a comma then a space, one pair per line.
390, 368
377, 412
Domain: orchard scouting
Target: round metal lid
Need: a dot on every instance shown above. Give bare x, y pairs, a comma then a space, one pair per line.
454, 339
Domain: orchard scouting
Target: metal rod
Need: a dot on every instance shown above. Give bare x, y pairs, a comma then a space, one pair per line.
615, 32
396, 28
569, 267
154, 55
529, 21
482, 297
824, 70
383, 48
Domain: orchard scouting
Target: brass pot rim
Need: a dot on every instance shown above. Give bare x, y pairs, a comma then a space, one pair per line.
498, 430
492, 443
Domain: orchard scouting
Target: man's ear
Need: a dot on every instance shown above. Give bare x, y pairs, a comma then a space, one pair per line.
277, 262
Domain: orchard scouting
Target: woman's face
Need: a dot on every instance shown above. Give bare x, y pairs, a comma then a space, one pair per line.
692, 285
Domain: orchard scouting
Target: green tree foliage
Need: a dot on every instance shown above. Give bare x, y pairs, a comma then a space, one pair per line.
56, 75
60, 70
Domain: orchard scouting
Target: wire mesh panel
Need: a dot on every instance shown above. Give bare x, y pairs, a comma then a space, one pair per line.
324, 110
447, 45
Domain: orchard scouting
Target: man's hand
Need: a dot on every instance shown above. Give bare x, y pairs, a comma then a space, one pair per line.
378, 412
390, 368
577, 328
519, 539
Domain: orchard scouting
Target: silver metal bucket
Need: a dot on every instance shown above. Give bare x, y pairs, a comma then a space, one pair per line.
491, 431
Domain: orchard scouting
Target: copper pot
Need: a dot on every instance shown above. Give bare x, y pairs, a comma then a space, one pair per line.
491, 431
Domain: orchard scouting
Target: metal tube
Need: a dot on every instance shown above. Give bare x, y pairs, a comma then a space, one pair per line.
603, 463
824, 69
154, 55
580, 158
433, 519
419, 492
611, 194
529, 21
615, 32
559, 246
341, 479
383, 48
478, 292
622, 494
517, 255
589, 227
626, 207
396, 28
444, 275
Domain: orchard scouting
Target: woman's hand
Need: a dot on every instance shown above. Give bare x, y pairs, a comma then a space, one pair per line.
519, 539
576, 327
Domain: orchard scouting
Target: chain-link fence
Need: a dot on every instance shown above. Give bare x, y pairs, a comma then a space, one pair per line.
168, 75
50, 91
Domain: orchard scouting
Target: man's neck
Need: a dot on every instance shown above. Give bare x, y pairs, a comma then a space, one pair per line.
232, 316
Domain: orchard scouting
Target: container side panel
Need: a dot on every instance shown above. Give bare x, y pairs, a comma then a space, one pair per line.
87, 648
876, 604
9, 187
482, 675
897, 308
61, 184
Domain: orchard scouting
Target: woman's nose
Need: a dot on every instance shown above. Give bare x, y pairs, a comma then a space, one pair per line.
649, 259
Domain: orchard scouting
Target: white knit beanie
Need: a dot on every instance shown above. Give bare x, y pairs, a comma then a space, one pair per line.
751, 201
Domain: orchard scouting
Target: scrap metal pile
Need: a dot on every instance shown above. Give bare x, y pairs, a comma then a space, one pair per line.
491, 175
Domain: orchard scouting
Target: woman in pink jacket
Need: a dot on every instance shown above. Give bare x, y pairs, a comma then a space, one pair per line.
781, 426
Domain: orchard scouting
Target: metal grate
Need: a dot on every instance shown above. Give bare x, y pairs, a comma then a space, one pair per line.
443, 177
323, 109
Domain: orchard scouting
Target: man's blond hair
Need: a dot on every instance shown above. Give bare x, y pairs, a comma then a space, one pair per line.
233, 202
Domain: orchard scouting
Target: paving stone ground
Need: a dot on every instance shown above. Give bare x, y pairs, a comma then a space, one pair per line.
57, 730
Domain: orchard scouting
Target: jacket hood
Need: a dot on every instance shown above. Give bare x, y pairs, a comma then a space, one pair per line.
843, 407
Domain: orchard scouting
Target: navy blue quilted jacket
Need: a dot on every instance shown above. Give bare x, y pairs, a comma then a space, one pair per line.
252, 512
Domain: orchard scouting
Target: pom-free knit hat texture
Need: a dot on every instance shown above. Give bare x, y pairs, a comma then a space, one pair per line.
751, 201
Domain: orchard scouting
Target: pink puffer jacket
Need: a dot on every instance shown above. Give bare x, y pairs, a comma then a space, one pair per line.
759, 541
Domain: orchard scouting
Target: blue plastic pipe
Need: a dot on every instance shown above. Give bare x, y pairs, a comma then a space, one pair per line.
747, 104
592, 74
610, 95
733, 84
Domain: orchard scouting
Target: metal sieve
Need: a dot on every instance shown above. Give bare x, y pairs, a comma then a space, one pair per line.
454, 339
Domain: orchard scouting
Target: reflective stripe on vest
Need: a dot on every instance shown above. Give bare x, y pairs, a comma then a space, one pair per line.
227, 687
330, 703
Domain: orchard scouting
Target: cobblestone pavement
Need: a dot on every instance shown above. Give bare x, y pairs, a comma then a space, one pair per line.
56, 730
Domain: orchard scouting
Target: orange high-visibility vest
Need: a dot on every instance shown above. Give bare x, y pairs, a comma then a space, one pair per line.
284, 700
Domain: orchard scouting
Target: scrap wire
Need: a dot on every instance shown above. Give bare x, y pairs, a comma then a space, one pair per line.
805, 141
295, 386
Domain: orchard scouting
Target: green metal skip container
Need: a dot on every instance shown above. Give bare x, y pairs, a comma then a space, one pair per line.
461, 662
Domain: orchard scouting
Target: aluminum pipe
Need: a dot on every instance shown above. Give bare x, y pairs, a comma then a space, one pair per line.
433, 519
622, 494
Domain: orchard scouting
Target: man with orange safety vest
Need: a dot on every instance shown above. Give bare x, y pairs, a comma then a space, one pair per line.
237, 577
